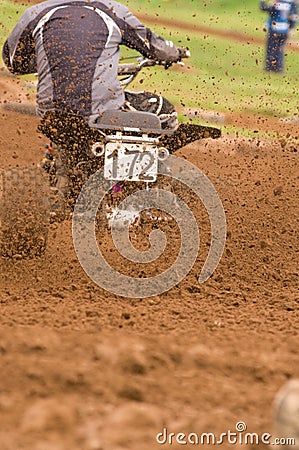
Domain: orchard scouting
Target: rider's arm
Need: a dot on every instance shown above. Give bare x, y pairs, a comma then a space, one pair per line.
152, 45
19, 49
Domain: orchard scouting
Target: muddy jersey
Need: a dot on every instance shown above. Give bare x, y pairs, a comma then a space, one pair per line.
283, 15
74, 48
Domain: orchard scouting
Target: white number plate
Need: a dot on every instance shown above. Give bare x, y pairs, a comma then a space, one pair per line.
131, 162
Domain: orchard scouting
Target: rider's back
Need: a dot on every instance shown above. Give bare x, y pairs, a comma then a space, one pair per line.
79, 45
74, 47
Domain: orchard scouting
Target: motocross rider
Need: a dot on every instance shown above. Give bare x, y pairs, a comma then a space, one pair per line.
73, 45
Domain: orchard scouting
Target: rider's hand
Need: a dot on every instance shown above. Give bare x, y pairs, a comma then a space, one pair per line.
184, 53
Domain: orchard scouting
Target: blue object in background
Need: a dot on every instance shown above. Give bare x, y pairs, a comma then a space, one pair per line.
283, 16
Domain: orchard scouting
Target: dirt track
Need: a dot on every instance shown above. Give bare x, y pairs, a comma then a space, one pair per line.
82, 369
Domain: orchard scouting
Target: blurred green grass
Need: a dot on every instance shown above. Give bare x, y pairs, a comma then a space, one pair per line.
223, 74
9, 14
242, 15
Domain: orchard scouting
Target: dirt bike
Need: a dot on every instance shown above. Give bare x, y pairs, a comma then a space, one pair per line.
130, 145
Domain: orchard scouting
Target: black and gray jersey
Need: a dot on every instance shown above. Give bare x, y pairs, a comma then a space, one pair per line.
74, 48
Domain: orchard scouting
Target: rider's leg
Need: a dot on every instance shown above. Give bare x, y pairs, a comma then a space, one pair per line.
156, 104
71, 135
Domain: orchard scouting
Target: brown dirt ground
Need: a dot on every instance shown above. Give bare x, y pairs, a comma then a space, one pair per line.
82, 369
